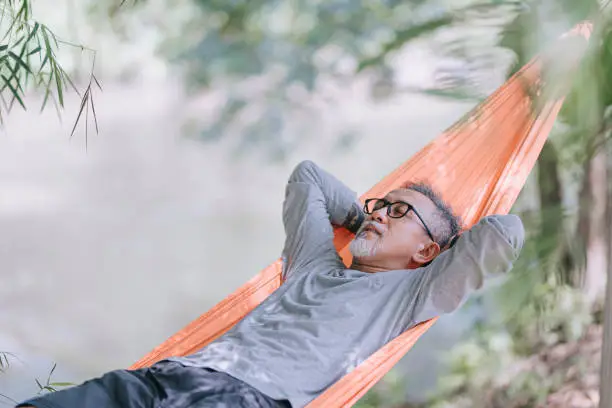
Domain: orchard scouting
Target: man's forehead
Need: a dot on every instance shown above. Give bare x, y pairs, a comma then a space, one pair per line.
413, 197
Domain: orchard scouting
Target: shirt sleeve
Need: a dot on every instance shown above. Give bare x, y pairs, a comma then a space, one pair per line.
488, 249
314, 201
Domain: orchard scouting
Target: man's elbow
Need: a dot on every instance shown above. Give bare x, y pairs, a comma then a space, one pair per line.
305, 171
511, 227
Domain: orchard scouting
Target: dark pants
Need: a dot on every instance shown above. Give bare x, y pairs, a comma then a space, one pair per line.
164, 385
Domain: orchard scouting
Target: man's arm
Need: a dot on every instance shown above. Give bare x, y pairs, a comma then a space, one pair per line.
314, 200
488, 249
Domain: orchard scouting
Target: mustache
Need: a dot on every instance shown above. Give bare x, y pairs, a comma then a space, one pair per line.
371, 226
363, 246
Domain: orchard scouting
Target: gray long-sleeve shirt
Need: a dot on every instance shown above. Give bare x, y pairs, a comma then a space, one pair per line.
325, 319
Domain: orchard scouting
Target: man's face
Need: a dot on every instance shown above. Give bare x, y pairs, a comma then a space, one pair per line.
395, 242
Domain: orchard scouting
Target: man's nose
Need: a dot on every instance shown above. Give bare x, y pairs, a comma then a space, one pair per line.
380, 216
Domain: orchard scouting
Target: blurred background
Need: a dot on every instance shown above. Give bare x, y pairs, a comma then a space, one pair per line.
145, 147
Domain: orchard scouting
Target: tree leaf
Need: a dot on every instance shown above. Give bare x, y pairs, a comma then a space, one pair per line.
34, 51
14, 91
19, 41
8, 398
20, 62
6, 105
51, 372
97, 83
46, 98
26, 10
58, 83
404, 36
87, 121
93, 111
44, 62
66, 78
61, 384
33, 32
83, 102
10, 29
44, 31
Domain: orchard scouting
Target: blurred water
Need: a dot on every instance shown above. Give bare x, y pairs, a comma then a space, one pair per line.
106, 252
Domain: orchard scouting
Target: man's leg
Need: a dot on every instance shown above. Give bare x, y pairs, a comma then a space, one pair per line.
116, 389
238, 396
194, 387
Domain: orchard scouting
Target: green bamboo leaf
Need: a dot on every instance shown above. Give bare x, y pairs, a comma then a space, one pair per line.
3, 13
57, 109
44, 30
66, 78
87, 121
61, 384
20, 14
14, 91
11, 104
83, 102
97, 83
58, 83
2, 395
6, 105
26, 10
44, 62
35, 51
46, 98
10, 29
93, 110
33, 32
20, 62
39, 46
26, 81
3, 47
24, 47
15, 74
18, 81
51, 372
19, 41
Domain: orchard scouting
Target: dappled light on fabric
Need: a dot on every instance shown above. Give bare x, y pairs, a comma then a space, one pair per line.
479, 165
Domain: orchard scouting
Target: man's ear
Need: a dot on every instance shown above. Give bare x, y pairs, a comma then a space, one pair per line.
427, 253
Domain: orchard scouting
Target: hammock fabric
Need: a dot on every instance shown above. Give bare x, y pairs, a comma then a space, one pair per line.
479, 165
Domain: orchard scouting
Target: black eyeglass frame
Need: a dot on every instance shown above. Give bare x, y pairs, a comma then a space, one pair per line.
389, 205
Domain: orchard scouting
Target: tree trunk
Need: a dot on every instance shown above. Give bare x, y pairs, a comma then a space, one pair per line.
550, 193
550, 196
605, 381
549, 185
596, 251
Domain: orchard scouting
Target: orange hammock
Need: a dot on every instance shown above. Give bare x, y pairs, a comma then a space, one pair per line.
480, 165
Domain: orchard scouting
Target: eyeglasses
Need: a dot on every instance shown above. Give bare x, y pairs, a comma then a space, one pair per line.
396, 209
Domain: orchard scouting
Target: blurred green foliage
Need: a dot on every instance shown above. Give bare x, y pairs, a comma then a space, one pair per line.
273, 60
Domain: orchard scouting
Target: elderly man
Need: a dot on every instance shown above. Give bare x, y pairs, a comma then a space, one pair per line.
325, 319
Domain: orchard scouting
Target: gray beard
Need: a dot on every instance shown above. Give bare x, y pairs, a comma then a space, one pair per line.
361, 246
